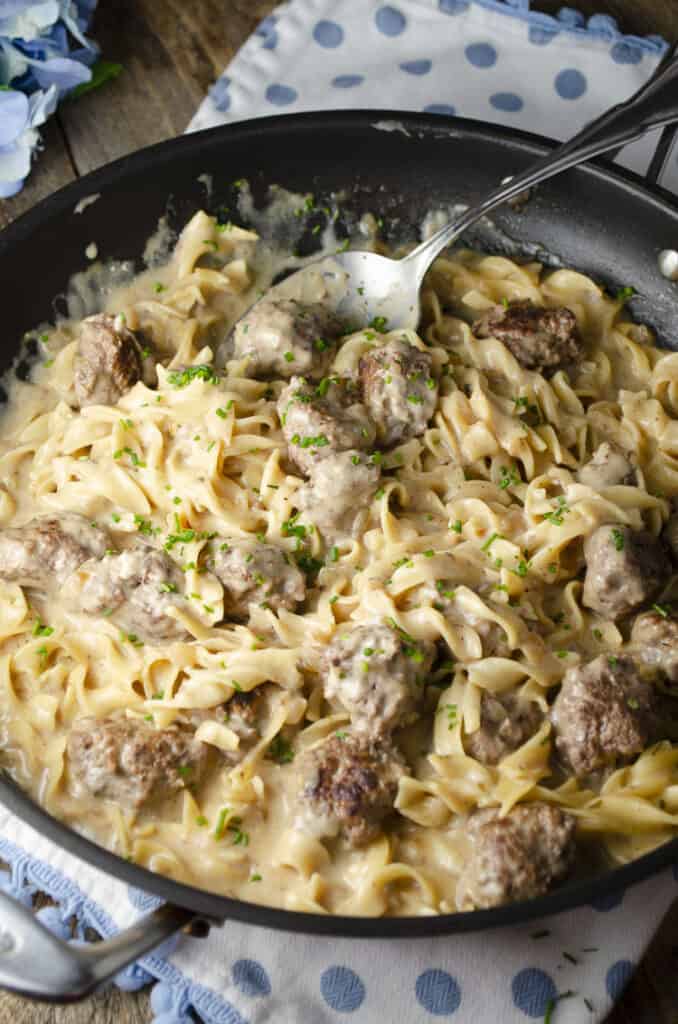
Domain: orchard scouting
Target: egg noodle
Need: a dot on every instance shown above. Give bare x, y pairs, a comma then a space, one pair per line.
476, 530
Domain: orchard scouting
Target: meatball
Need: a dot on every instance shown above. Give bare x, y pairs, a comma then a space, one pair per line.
108, 361
655, 634
606, 468
256, 573
130, 762
377, 673
399, 390
603, 715
517, 857
48, 549
137, 587
545, 340
339, 489
506, 722
348, 787
283, 337
624, 569
319, 421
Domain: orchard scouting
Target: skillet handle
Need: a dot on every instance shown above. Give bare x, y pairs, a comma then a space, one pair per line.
37, 964
655, 104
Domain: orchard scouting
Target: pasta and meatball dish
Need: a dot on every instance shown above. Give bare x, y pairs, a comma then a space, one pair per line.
337, 618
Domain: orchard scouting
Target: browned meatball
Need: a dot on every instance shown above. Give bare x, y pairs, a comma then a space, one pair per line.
135, 587
256, 573
655, 633
340, 488
603, 715
108, 361
378, 674
283, 337
399, 389
506, 722
319, 421
131, 763
348, 787
48, 549
624, 569
607, 467
544, 340
517, 857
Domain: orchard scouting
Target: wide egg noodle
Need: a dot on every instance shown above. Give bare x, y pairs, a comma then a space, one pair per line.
462, 544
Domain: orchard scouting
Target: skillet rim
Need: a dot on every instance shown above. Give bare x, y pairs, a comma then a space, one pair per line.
203, 902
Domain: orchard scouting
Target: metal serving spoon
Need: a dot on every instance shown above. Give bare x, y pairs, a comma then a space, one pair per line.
367, 285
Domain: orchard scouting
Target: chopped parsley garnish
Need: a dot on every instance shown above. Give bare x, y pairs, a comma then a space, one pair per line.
291, 528
617, 539
222, 413
134, 458
632, 703
201, 820
490, 541
115, 517
334, 554
429, 553
450, 710
158, 287
509, 478
256, 877
558, 515
321, 441
456, 526
625, 293
40, 630
522, 568
288, 357
182, 378
280, 750
320, 345
660, 609
145, 526
403, 561
378, 323
168, 588
415, 399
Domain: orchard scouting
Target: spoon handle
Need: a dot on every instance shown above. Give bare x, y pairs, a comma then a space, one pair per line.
655, 104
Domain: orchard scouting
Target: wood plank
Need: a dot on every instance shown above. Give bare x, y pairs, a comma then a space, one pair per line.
51, 170
171, 53
109, 1007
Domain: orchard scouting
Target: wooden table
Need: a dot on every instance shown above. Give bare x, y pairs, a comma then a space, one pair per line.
172, 51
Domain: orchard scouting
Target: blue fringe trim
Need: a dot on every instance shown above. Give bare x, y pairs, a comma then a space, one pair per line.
569, 20
173, 995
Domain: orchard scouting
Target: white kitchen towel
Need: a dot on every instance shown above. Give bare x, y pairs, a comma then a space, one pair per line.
495, 61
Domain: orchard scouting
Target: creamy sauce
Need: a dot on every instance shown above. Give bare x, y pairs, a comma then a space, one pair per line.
213, 455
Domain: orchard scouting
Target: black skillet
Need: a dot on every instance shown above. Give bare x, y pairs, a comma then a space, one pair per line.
606, 222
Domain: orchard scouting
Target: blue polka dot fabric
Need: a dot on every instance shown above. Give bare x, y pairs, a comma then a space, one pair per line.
493, 60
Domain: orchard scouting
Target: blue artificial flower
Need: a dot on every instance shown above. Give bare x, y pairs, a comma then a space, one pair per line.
44, 54
20, 118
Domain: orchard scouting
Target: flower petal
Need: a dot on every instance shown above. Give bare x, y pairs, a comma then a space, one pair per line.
62, 72
15, 160
42, 105
10, 188
13, 115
